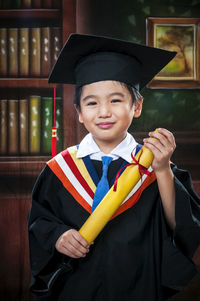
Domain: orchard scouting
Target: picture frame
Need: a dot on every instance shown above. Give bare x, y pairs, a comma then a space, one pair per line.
183, 36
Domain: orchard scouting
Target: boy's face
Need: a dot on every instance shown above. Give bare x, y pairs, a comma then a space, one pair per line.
107, 110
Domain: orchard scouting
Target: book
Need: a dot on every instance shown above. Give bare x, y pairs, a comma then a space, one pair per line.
3, 52
13, 127
13, 52
36, 3
3, 131
45, 51
46, 4
23, 51
35, 52
56, 44
23, 126
47, 123
34, 124
47, 115
59, 123
26, 3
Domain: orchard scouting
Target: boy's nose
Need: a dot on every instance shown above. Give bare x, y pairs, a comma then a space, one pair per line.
104, 111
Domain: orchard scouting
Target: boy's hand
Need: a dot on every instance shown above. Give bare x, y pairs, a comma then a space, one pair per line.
162, 147
72, 244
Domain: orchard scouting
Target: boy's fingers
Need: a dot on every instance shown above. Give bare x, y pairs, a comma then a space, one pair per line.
168, 135
79, 238
163, 136
71, 252
76, 249
160, 139
72, 244
76, 245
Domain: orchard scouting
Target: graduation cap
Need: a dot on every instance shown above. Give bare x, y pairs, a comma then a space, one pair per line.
85, 59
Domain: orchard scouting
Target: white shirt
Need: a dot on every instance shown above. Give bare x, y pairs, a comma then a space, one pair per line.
123, 150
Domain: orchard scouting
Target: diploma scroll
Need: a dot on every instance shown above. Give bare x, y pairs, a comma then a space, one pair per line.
113, 199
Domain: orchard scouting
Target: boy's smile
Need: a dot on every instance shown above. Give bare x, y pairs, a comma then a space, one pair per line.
107, 110
105, 125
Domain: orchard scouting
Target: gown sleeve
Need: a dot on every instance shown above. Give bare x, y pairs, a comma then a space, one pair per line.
181, 249
45, 227
187, 215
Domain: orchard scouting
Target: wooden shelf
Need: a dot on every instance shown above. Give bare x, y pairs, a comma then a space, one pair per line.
26, 165
29, 13
25, 82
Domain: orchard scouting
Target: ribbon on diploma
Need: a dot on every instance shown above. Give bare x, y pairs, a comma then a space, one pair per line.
142, 169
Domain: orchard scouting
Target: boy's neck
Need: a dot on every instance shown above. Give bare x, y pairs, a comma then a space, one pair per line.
107, 146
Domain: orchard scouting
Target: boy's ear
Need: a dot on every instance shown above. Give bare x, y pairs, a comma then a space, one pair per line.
78, 110
138, 108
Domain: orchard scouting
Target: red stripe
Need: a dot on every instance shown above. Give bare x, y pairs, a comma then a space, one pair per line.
70, 162
68, 185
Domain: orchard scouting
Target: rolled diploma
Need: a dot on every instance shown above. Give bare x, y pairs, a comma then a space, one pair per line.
113, 199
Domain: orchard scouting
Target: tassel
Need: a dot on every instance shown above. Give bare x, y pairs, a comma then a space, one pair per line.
54, 130
53, 142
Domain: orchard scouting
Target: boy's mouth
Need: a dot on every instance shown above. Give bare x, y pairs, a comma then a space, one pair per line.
105, 125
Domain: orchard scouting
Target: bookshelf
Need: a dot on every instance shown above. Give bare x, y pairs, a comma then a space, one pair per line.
25, 82
40, 17
18, 172
9, 14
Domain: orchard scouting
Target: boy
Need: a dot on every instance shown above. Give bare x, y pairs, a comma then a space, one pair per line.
135, 256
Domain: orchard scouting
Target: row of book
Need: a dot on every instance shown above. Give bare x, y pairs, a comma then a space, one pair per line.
28, 52
17, 4
26, 125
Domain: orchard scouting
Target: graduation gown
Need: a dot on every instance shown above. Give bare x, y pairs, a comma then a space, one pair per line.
135, 257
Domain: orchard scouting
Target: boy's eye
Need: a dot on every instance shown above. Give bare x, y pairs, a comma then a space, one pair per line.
115, 100
91, 103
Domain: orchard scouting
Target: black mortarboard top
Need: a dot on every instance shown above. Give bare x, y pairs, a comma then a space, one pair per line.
85, 59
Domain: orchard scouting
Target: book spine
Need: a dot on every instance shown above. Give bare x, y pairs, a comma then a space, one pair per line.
13, 52
35, 52
13, 126
23, 51
3, 132
34, 124
36, 3
45, 51
56, 44
59, 123
23, 126
26, 3
3, 52
46, 3
47, 110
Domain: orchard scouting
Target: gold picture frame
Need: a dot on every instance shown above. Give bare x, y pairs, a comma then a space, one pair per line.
183, 36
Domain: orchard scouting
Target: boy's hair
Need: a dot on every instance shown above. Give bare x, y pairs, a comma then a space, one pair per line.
135, 94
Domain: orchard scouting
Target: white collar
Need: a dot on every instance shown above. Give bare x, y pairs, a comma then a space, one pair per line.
89, 147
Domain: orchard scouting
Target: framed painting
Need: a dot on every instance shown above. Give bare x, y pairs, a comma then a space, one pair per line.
183, 36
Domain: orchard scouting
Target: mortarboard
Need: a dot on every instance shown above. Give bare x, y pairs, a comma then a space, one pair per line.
85, 59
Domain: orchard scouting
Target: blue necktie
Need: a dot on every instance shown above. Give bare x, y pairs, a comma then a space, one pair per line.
103, 185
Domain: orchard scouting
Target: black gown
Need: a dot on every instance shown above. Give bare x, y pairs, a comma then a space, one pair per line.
135, 257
